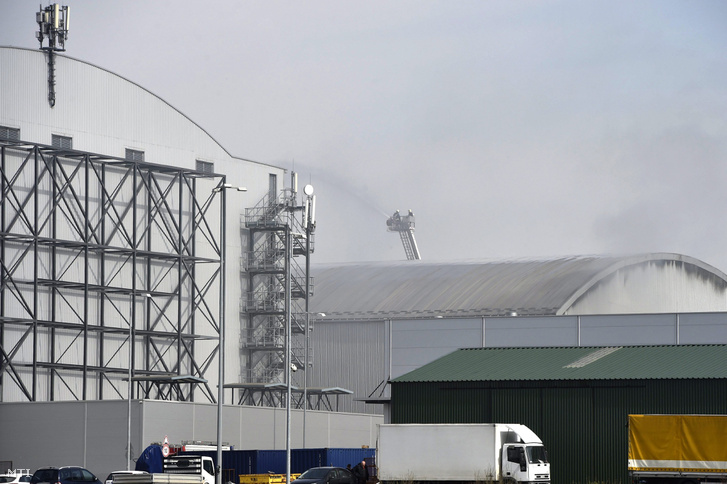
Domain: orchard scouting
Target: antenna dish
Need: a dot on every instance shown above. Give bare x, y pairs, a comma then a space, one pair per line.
308, 190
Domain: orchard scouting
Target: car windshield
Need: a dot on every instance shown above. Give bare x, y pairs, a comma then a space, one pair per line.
537, 454
315, 473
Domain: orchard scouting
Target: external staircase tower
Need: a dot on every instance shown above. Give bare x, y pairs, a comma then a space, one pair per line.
279, 286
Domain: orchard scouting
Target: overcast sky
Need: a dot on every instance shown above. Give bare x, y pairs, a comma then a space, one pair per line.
511, 128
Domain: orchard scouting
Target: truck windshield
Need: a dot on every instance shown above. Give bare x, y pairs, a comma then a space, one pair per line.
537, 454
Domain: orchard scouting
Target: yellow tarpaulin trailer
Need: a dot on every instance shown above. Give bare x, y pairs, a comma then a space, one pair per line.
680, 446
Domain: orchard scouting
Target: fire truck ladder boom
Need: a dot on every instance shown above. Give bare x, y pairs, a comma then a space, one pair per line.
404, 224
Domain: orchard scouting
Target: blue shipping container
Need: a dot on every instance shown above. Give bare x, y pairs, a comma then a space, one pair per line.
303, 459
236, 462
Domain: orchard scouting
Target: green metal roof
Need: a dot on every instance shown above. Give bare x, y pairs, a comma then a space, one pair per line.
580, 363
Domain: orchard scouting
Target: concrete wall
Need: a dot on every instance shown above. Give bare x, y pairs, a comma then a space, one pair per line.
94, 434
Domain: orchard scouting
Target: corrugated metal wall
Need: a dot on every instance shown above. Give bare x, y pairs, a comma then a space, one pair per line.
351, 355
583, 424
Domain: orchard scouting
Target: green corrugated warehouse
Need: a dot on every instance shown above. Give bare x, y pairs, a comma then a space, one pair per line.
576, 399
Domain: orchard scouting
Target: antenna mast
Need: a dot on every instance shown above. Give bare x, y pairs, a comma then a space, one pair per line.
53, 22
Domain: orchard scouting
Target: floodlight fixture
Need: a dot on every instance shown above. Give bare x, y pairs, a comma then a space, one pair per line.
225, 186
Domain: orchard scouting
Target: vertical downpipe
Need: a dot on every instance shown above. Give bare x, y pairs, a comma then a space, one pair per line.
578, 329
484, 330
85, 434
677, 328
390, 325
130, 375
35, 287
86, 275
53, 194
180, 264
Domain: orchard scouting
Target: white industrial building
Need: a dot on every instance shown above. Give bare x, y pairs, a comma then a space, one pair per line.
116, 228
114, 231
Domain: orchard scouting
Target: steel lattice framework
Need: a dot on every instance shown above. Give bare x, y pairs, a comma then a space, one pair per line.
277, 300
109, 269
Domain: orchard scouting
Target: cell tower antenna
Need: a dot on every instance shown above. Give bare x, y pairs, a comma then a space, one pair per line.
53, 22
404, 224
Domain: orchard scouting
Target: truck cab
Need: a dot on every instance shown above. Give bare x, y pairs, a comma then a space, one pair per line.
525, 463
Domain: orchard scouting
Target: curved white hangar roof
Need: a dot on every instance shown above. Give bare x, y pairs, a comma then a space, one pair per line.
102, 112
646, 283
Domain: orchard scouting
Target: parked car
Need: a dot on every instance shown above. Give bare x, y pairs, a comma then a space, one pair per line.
15, 478
63, 475
326, 475
110, 478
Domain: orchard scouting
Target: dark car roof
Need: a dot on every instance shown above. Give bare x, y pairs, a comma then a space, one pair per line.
43, 474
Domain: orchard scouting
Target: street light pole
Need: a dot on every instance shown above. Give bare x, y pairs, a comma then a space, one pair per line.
221, 329
309, 221
288, 360
305, 383
128, 398
306, 366
221, 338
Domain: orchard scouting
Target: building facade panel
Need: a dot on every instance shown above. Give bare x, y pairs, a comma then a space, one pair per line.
702, 328
615, 330
417, 342
531, 331
350, 354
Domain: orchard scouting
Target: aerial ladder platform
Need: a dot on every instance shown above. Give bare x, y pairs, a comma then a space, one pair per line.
404, 224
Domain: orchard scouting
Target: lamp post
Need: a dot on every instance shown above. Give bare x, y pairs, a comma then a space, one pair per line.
221, 330
288, 359
307, 368
309, 225
309, 220
128, 390
129, 386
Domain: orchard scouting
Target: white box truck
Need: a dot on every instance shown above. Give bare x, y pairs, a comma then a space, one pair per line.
460, 452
